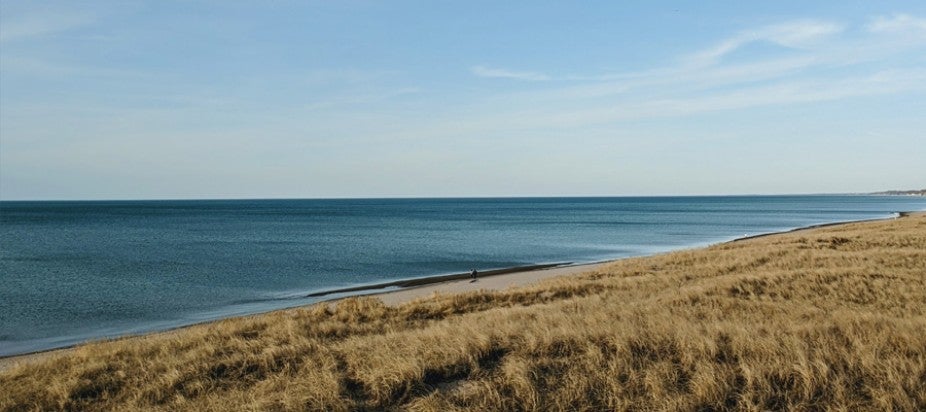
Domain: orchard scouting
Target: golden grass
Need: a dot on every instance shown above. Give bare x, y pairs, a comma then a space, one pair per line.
825, 319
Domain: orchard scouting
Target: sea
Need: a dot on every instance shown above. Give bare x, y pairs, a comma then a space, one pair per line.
73, 271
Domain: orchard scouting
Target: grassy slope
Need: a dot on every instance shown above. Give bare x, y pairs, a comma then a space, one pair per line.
832, 318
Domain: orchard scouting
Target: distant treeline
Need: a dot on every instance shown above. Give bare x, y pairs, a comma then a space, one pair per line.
921, 192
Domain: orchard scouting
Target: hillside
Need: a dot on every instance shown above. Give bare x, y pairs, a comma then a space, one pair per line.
828, 318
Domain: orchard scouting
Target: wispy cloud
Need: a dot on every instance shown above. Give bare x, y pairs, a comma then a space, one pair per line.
825, 64
29, 26
781, 93
704, 67
793, 34
343, 76
483, 71
898, 23
359, 99
39, 67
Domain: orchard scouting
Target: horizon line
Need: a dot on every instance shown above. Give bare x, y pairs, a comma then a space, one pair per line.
400, 197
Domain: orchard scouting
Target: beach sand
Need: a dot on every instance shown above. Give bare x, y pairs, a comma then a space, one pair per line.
496, 282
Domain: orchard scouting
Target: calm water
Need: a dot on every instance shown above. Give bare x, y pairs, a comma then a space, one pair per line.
71, 271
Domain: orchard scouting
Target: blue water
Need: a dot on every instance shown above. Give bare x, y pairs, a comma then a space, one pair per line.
72, 271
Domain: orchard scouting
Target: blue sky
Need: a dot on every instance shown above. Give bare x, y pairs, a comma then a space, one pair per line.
130, 100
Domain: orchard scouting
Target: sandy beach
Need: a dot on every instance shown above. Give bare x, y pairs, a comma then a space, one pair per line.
497, 282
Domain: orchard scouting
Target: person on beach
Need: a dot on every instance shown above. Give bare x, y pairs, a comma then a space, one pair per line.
473, 275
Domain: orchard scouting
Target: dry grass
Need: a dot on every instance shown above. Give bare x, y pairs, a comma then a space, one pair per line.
828, 319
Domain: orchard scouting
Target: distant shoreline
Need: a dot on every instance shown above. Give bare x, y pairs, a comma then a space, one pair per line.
921, 192
427, 280
739, 239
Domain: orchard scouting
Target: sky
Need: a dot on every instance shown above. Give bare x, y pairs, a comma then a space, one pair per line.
234, 99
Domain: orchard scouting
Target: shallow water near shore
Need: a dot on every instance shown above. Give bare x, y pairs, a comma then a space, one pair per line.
72, 271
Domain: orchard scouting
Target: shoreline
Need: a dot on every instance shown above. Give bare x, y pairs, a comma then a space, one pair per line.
427, 280
500, 281
415, 283
820, 225
412, 289
521, 278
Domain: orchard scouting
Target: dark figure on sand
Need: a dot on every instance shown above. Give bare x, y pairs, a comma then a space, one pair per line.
473, 275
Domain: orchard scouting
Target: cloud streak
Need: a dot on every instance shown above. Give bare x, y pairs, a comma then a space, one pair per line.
786, 92
488, 72
898, 23
798, 34
824, 64
31, 26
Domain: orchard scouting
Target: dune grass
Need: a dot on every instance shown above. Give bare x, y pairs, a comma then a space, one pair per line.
825, 319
